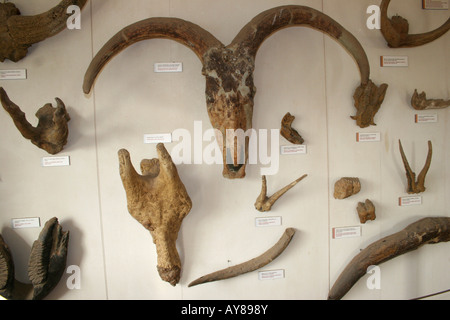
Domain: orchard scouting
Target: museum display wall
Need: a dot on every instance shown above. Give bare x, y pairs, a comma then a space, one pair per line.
298, 70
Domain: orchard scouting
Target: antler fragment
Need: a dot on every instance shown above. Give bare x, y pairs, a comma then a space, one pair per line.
416, 186
264, 203
289, 133
415, 235
420, 102
158, 200
395, 30
52, 130
250, 265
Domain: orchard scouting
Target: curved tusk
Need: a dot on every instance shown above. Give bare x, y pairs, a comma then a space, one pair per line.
415, 235
272, 20
184, 32
395, 30
250, 265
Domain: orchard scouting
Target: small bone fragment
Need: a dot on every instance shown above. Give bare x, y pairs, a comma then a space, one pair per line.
416, 186
264, 203
288, 132
366, 211
251, 265
159, 201
52, 130
420, 102
424, 231
346, 187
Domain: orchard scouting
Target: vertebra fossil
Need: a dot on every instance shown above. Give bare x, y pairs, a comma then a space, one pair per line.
420, 102
416, 186
158, 200
395, 30
52, 130
18, 33
289, 133
423, 231
229, 69
46, 265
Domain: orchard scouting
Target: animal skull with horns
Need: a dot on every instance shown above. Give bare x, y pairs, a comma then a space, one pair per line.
230, 89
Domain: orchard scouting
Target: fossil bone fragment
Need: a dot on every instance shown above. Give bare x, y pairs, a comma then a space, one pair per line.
416, 186
250, 265
229, 69
52, 130
420, 102
366, 211
395, 30
264, 203
158, 200
424, 231
289, 133
46, 265
18, 33
346, 187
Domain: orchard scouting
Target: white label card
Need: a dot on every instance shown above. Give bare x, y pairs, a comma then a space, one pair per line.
271, 274
268, 221
346, 232
394, 61
158, 138
426, 118
168, 67
56, 161
410, 201
19, 74
22, 223
296, 149
435, 4
368, 137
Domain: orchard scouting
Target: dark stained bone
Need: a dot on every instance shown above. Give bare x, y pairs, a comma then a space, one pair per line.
366, 211
420, 102
395, 30
229, 69
250, 265
424, 231
52, 130
416, 186
289, 133
18, 33
46, 265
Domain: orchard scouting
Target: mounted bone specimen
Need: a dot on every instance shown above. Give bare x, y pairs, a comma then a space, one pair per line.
346, 187
229, 69
395, 30
288, 132
251, 265
18, 33
366, 211
158, 200
417, 234
416, 186
420, 102
264, 203
52, 130
46, 265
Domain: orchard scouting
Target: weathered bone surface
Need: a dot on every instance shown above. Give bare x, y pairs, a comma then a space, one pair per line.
46, 265
250, 265
18, 33
289, 133
396, 30
228, 70
420, 102
264, 203
346, 187
366, 211
416, 186
368, 99
424, 231
52, 130
158, 200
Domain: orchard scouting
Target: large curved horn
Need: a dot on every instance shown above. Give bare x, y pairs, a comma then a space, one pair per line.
395, 30
184, 32
272, 20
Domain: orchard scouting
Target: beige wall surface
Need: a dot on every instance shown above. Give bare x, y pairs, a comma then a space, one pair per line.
298, 70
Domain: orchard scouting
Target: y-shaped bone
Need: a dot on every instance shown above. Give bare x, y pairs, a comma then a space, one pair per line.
159, 201
416, 186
